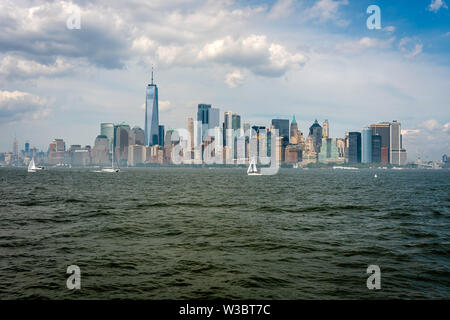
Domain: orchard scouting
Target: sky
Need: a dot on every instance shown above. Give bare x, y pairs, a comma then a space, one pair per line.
260, 59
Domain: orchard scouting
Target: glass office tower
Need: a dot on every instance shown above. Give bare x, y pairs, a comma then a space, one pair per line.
354, 147
151, 115
366, 145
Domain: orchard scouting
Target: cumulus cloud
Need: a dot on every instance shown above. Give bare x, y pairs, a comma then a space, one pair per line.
15, 67
254, 53
234, 79
18, 105
435, 5
40, 32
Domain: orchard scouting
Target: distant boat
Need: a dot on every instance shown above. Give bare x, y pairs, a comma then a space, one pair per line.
32, 166
375, 176
112, 169
345, 168
252, 171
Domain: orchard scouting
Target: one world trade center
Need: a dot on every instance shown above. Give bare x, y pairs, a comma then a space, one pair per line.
151, 115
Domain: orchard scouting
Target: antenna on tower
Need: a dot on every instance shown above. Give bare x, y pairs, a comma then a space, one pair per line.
152, 74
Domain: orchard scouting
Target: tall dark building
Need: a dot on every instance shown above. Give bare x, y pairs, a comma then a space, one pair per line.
203, 113
161, 135
235, 121
376, 148
354, 147
316, 132
283, 129
383, 129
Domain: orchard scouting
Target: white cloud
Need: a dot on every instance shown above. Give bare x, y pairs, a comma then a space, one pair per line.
164, 105
281, 9
435, 5
15, 67
18, 106
429, 140
254, 53
410, 47
389, 28
234, 79
327, 10
364, 43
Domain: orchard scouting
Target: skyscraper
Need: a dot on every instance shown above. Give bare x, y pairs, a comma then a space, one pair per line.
325, 129
203, 114
294, 131
214, 118
315, 131
227, 127
161, 135
15, 147
151, 115
397, 154
283, 130
376, 148
107, 129
139, 136
354, 147
235, 121
190, 129
366, 145
383, 130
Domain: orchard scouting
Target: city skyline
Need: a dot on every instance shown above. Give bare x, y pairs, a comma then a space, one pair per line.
314, 59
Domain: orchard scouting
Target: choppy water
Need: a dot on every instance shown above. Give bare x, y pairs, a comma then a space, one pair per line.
195, 233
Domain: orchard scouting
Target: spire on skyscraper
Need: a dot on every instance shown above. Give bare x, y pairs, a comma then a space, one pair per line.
152, 74
293, 119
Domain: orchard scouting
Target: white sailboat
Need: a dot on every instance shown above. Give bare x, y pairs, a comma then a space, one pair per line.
32, 166
252, 171
112, 169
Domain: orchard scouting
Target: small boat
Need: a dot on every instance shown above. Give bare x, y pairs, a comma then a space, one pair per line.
252, 171
112, 169
375, 176
32, 166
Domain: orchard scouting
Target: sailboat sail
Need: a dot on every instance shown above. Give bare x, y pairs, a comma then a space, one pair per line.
252, 168
32, 166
